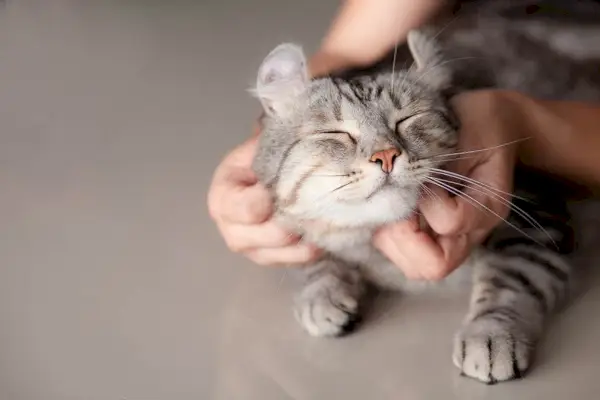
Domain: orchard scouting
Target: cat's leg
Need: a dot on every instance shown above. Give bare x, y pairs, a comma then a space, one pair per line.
517, 285
328, 303
520, 279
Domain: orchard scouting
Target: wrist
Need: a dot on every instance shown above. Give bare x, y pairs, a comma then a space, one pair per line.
548, 136
498, 113
524, 112
515, 107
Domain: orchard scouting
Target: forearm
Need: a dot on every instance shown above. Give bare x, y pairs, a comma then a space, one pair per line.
364, 31
564, 137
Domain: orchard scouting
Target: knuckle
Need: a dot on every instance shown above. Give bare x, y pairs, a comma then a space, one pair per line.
233, 246
449, 224
260, 258
255, 257
504, 211
214, 206
244, 213
438, 272
307, 255
215, 195
233, 242
450, 227
248, 211
284, 238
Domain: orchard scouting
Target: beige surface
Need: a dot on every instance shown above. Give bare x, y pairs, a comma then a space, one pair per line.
113, 281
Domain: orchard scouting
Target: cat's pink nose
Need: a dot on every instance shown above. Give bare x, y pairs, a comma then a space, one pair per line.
385, 158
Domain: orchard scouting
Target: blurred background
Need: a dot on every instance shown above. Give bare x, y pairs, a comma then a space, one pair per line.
114, 283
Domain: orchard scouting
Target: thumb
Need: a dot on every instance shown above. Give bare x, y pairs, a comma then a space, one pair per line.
450, 213
459, 199
242, 155
243, 199
235, 194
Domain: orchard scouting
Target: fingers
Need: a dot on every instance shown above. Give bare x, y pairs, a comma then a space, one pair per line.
418, 255
245, 204
243, 155
455, 215
242, 208
455, 250
480, 186
235, 194
483, 176
413, 251
284, 256
480, 204
243, 238
268, 244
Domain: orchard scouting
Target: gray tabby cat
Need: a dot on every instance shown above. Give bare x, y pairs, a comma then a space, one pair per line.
344, 156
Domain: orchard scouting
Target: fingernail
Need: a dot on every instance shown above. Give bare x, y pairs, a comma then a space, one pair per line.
295, 238
314, 252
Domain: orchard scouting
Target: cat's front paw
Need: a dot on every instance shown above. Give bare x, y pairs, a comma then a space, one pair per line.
330, 310
492, 352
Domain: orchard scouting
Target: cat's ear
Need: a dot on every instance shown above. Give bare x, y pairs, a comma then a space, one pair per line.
282, 77
429, 59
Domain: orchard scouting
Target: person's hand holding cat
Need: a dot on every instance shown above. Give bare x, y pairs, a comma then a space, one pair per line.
242, 207
461, 222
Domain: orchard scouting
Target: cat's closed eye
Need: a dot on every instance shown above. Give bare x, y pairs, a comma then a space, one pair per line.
419, 114
407, 118
338, 132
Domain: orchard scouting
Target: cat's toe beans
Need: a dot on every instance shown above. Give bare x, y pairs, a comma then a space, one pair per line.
491, 355
344, 302
351, 324
328, 314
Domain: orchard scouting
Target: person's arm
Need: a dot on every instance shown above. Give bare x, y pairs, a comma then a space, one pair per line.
564, 137
364, 31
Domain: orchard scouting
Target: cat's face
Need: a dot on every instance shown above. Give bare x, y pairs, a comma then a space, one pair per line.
351, 153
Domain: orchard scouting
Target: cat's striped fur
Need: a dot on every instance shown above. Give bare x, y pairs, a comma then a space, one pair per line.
317, 155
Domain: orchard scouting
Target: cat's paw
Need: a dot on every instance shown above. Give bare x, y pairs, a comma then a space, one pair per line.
330, 311
492, 352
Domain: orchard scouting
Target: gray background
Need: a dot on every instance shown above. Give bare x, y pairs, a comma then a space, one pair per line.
113, 281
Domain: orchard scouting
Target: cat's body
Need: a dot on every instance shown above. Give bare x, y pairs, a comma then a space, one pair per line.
343, 157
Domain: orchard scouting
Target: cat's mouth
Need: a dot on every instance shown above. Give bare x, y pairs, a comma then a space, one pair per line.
388, 183
383, 183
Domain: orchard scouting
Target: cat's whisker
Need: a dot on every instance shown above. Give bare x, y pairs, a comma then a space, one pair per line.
430, 69
456, 158
407, 73
445, 27
332, 175
475, 182
480, 189
481, 150
342, 186
430, 192
479, 204
518, 210
283, 276
394, 58
429, 161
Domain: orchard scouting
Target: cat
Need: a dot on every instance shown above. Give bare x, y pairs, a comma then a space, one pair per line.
343, 156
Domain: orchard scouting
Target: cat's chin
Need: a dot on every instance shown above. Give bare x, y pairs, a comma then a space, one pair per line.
387, 206
390, 204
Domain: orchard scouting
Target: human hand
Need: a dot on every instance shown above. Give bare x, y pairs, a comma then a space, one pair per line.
242, 209
489, 120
